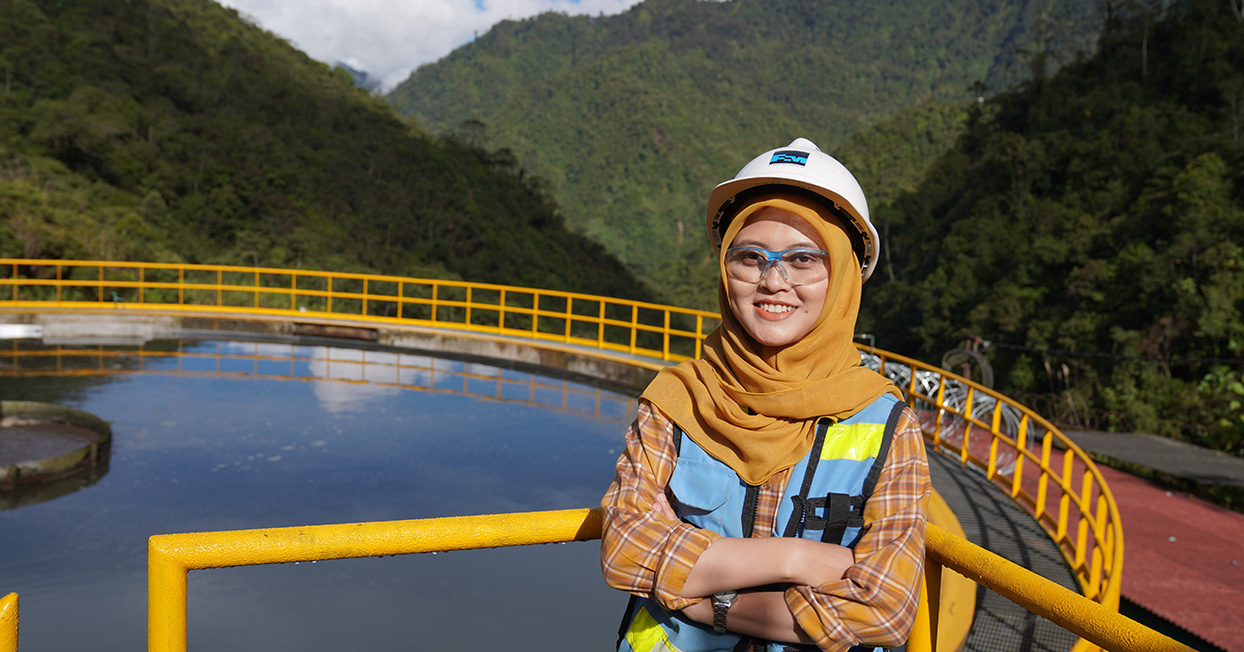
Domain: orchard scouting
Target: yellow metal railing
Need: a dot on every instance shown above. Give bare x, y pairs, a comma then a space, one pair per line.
617, 325
1026, 456
172, 556
1018, 450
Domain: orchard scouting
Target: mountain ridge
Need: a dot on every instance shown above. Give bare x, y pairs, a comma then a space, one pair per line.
633, 118
176, 130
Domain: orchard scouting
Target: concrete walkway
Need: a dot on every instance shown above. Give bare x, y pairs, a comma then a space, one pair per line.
1183, 556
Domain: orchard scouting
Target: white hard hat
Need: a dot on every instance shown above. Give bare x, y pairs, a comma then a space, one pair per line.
800, 167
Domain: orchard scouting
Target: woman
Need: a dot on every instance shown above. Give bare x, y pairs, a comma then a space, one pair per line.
773, 493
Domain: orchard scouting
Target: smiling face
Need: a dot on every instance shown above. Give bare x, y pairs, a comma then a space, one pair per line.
774, 313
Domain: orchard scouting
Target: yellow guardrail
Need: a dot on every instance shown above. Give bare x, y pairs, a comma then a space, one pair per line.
622, 326
1022, 453
172, 556
1026, 456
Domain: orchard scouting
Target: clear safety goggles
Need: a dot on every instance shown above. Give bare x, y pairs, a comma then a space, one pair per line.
800, 266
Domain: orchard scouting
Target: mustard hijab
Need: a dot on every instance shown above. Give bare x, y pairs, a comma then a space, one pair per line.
755, 407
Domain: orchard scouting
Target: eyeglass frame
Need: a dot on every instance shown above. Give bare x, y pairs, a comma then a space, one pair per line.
774, 258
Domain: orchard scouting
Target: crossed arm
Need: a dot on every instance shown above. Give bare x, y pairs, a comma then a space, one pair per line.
732, 563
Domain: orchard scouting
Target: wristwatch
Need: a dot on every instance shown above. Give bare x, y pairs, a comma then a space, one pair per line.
721, 604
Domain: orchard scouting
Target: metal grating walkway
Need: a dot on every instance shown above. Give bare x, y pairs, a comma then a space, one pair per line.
992, 521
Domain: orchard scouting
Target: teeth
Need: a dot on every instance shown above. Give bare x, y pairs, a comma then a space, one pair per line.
773, 307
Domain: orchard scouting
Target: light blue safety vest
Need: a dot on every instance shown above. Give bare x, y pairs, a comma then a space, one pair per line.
824, 501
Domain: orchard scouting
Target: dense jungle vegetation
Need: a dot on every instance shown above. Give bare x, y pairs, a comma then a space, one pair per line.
633, 118
1091, 225
174, 130
1087, 220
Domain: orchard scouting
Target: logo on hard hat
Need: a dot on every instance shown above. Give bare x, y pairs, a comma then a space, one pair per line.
789, 156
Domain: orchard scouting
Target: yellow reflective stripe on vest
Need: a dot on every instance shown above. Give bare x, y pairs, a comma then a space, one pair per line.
646, 635
853, 441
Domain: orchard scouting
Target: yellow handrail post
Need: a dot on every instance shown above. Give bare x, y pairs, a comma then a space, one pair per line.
8, 623
1043, 480
166, 599
535, 313
699, 335
634, 327
965, 450
1021, 445
600, 331
435, 305
665, 341
923, 632
501, 312
171, 556
933, 587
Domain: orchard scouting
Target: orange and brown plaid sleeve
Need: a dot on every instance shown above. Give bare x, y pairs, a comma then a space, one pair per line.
640, 552
875, 602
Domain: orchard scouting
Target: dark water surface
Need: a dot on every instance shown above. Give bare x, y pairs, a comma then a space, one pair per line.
230, 435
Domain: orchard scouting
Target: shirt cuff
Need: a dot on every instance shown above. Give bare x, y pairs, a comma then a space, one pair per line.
799, 599
683, 549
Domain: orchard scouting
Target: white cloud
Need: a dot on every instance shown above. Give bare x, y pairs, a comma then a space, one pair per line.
390, 38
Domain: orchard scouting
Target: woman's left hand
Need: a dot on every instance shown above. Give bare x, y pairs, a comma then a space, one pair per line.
701, 612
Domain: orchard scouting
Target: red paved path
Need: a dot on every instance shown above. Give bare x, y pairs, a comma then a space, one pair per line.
1195, 581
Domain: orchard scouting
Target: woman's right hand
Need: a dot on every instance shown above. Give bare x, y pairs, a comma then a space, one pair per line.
813, 563
664, 509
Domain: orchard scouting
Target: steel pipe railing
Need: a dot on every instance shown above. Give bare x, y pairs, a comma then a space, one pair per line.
172, 556
639, 328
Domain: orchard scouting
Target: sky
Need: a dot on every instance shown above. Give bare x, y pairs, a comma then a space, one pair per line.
388, 39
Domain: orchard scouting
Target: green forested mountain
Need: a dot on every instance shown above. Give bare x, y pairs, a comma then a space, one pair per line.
633, 118
1089, 221
1091, 225
174, 130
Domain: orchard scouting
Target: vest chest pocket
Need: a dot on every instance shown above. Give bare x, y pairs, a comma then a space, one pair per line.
700, 490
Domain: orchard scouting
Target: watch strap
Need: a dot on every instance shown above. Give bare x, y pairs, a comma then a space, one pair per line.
721, 606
